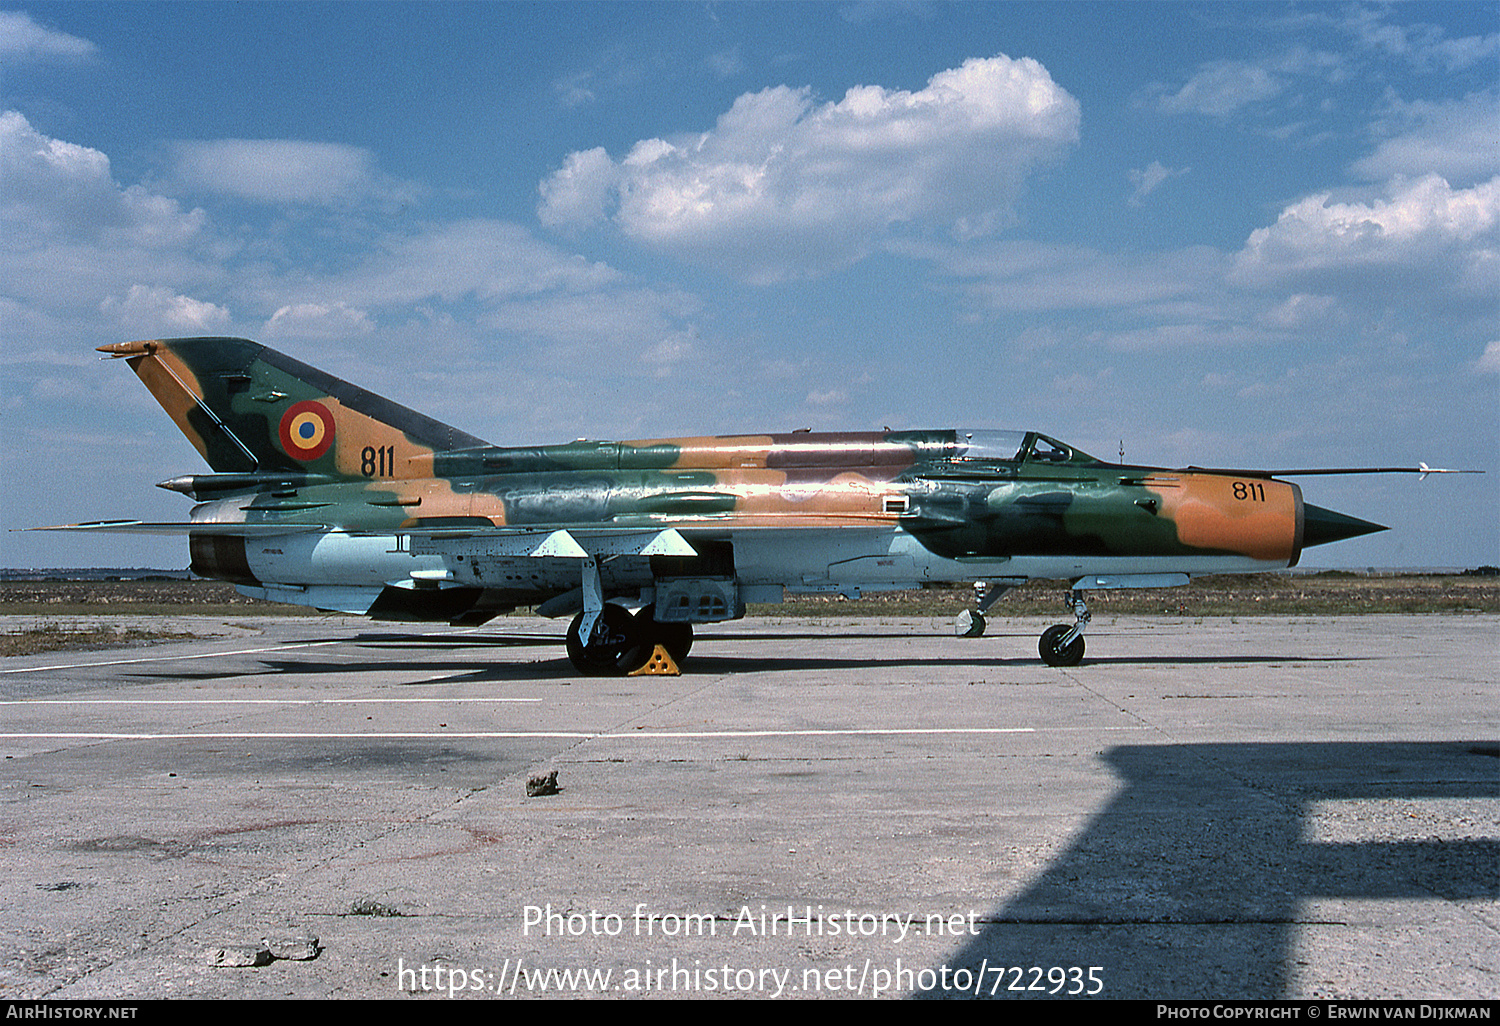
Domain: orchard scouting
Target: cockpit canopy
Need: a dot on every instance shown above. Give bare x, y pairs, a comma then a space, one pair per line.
983, 445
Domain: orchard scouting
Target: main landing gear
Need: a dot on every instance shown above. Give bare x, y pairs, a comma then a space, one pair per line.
621, 643
605, 640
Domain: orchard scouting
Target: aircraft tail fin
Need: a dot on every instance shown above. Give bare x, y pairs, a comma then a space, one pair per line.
251, 410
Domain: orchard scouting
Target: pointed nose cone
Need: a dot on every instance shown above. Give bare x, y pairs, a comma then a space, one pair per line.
1321, 526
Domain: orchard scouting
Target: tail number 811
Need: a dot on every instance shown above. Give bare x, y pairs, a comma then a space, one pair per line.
379, 462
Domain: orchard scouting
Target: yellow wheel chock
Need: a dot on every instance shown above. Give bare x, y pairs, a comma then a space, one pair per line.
659, 665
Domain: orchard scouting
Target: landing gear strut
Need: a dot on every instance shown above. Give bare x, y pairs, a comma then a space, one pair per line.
1062, 645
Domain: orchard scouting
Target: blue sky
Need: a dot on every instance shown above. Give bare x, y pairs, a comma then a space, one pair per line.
1222, 234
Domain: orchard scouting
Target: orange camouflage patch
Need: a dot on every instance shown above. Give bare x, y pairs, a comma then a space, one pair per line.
1252, 517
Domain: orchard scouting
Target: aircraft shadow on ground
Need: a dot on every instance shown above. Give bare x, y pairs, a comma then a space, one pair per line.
431, 671
993, 650
750, 664
560, 669
420, 662
988, 653
1193, 881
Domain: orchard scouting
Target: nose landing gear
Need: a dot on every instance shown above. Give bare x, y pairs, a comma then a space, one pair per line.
1062, 645
970, 623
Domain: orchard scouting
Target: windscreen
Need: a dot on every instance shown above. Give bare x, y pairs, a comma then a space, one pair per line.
989, 445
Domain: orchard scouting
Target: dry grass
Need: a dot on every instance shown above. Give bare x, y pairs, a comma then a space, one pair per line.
53, 637
1331, 593
134, 598
1326, 594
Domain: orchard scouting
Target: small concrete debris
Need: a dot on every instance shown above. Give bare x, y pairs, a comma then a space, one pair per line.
238, 956
371, 907
293, 949
538, 786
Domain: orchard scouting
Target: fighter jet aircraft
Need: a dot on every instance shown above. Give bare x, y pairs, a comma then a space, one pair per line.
326, 495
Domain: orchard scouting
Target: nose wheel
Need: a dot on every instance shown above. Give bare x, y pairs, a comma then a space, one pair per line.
1062, 644
970, 622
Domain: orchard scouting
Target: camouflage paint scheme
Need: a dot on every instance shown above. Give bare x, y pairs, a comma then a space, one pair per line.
328, 495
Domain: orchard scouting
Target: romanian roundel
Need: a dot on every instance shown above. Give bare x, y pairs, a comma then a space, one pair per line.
306, 430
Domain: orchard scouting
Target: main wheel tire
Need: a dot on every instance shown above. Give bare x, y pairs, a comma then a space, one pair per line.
610, 647
1052, 655
676, 638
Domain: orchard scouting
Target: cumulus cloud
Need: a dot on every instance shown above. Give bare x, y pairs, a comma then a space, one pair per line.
21, 38
1454, 138
479, 257
75, 243
1300, 311
1425, 228
318, 320
1424, 46
281, 171
784, 186
579, 192
56, 189
1222, 87
1457, 54
151, 310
